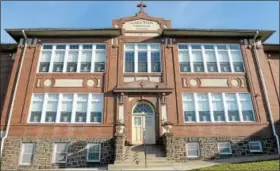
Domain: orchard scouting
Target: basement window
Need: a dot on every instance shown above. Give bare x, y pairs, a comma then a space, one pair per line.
192, 150
224, 148
60, 152
27, 153
93, 152
255, 146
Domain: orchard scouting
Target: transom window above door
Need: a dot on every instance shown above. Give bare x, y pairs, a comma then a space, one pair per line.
72, 58
210, 58
142, 57
143, 108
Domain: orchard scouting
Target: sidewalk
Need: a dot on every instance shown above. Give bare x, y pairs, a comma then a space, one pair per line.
196, 164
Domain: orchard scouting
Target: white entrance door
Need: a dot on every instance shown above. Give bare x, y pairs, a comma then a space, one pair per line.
143, 124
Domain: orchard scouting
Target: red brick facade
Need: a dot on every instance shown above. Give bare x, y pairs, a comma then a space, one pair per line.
113, 77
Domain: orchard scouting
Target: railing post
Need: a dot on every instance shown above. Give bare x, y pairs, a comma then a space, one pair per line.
144, 137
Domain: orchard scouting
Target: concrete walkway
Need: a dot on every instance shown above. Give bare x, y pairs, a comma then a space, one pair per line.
189, 165
196, 164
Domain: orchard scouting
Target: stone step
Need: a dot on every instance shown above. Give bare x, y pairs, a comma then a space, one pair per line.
149, 154
142, 165
143, 162
147, 157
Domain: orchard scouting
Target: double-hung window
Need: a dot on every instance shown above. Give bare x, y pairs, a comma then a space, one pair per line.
51, 109
27, 153
72, 61
142, 61
81, 108
60, 152
210, 58
66, 108
197, 58
99, 60
184, 59
236, 57
232, 107
217, 107
246, 107
93, 152
203, 107
96, 108
85, 65
36, 108
142, 58
192, 150
224, 58
45, 60
189, 108
58, 59
72, 58
211, 61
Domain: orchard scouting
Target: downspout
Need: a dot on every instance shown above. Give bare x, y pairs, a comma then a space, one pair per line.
14, 94
265, 91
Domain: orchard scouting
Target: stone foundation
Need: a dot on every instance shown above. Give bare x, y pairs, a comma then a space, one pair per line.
119, 147
176, 146
44, 151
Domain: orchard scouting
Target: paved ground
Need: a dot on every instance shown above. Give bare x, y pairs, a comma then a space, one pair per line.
189, 165
195, 164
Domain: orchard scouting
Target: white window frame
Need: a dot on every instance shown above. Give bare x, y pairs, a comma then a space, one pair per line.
54, 152
257, 142
198, 149
223, 143
195, 110
215, 50
64, 70
40, 57
98, 152
149, 61
225, 107
22, 152
73, 112
30, 108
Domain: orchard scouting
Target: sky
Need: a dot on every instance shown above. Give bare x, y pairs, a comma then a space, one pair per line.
98, 14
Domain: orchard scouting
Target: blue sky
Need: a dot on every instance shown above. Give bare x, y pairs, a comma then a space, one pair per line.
98, 14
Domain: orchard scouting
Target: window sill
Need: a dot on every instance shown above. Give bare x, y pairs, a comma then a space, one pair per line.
93, 161
142, 74
256, 151
212, 73
68, 124
22, 164
69, 73
221, 123
225, 154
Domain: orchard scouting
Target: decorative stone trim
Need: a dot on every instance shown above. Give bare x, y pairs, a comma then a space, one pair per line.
48, 82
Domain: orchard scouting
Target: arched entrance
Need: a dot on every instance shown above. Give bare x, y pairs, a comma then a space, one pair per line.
143, 123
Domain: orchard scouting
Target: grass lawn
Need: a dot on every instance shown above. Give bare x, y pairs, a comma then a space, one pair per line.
259, 166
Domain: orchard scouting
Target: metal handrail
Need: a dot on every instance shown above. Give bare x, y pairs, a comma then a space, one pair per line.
144, 138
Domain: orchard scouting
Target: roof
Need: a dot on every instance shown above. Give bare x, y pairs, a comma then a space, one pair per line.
242, 33
272, 48
16, 34
8, 47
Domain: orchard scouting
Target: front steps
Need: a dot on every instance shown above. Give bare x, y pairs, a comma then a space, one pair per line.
134, 157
